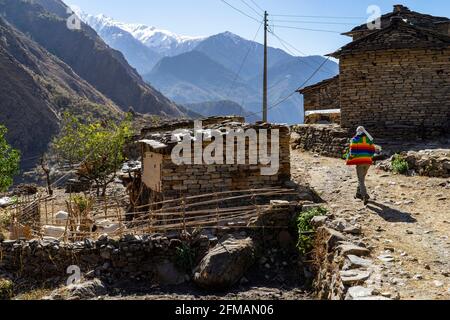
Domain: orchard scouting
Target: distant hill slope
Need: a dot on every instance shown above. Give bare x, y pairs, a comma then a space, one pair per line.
35, 88
220, 108
230, 50
89, 56
193, 77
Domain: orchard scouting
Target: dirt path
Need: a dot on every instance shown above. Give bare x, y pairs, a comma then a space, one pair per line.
407, 219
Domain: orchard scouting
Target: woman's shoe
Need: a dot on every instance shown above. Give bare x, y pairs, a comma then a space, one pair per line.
359, 196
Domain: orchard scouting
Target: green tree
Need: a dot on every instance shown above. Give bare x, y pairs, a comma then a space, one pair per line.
95, 149
9, 161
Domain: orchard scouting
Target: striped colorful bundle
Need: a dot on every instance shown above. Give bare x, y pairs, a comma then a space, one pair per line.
362, 151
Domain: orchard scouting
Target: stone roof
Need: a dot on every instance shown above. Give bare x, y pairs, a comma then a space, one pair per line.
399, 34
174, 124
164, 141
318, 85
415, 18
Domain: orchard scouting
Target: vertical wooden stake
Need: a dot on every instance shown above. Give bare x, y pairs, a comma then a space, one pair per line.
184, 214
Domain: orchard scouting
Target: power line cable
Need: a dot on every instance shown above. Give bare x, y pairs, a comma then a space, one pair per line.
284, 43
251, 8
256, 4
314, 22
291, 94
317, 17
240, 11
307, 29
251, 47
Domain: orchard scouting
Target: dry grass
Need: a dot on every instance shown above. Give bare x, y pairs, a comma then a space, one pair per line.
34, 294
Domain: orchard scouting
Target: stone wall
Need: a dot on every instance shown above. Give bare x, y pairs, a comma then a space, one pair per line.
154, 258
401, 93
324, 95
326, 140
132, 257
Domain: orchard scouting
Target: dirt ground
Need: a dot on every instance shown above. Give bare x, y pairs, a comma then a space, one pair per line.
407, 218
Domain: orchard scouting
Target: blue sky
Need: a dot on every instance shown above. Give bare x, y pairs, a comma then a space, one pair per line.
207, 17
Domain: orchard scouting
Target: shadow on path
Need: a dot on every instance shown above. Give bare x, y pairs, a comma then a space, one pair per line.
390, 214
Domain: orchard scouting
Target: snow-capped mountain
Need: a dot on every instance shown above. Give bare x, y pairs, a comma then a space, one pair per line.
163, 42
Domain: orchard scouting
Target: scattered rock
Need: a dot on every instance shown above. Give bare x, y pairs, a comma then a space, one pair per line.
358, 292
356, 262
339, 224
386, 258
373, 298
349, 249
334, 237
318, 221
438, 283
351, 277
80, 291
353, 230
418, 277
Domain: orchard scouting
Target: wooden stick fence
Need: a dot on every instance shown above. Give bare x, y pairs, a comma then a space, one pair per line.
201, 211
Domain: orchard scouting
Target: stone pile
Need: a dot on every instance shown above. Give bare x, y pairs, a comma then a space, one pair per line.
430, 163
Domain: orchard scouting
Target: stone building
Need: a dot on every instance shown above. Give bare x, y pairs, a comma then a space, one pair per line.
164, 178
395, 80
321, 101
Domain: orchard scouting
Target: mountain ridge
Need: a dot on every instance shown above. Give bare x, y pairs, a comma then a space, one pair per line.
36, 88
87, 54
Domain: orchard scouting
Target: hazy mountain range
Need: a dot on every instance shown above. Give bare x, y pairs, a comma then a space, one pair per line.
211, 69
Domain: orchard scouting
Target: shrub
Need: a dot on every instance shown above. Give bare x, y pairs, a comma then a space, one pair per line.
5, 219
9, 161
399, 164
305, 229
185, 257
6, 289
94, 149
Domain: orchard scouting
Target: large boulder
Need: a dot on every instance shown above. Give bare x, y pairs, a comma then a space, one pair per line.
225, 264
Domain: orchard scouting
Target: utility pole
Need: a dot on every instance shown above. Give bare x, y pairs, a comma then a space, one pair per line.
265, 68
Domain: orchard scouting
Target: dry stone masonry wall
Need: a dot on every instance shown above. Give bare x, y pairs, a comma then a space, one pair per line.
322, 96
326, 140
132, 257
399, 93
